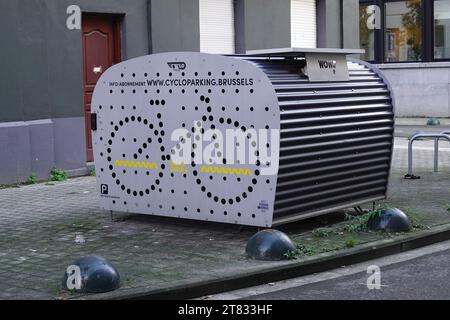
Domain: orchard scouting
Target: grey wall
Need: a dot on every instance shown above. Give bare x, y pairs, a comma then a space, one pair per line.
239, 25
329, 24
41, 96
175, 25
267, 24
331, 32
350, 27
420, 89
14, 152
41, 59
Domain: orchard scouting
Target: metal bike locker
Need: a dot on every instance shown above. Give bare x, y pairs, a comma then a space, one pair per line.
334, 117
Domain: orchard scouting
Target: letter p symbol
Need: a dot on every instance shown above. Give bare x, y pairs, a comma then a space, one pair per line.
104, 189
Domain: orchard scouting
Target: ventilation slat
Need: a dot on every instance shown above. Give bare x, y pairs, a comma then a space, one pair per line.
289, 132
328, 185
345, 198
287, 170
341, 166
303, 112
289, 123
333, 101
335, 138
287, 185
320, 87
300, 140
336, 192
331, 94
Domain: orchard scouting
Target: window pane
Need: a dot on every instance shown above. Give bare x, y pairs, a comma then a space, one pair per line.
367, 32
403, 31
442, 29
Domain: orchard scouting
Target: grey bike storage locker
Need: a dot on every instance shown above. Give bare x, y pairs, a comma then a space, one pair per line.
332, 118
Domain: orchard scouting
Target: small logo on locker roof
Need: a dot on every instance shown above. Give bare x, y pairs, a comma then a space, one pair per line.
104, 189
177, 66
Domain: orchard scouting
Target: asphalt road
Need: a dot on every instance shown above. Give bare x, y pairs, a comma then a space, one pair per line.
426, 277
422, 273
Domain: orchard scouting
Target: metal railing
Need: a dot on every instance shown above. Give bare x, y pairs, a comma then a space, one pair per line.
436, 136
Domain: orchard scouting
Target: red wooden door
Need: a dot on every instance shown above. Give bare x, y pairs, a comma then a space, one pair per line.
101, 49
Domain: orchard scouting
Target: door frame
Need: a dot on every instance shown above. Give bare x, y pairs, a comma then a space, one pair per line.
117, 20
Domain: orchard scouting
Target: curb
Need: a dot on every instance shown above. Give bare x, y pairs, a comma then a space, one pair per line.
319, 263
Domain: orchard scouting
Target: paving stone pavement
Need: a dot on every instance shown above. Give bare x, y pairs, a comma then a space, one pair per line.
39, 224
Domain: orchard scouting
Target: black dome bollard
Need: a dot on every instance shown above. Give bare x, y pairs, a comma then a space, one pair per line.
389, 219
91, 274
269, 244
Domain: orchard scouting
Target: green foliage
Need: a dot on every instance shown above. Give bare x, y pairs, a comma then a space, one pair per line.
32, 179
412, 21
416, 219
322, 232
58, 175
352, 232
317, 247
7, 186
358, 223
350, 243
92, 172
300, 251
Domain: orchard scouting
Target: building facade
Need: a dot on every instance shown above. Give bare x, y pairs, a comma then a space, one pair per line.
410, 42
47, 77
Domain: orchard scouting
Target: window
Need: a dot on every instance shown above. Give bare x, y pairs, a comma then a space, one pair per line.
403, 31
303, 23
442, 29
368, 21
217, 26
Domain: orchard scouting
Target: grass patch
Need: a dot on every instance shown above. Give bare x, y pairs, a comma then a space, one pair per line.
351, 232
416, 219
356, 223
318, 246
13, 185
92, 172
350, 243
58, 175
300, 251
322, 232
55, 175
32, 179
